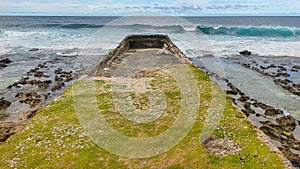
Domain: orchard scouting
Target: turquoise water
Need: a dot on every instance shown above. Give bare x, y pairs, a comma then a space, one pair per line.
78, 42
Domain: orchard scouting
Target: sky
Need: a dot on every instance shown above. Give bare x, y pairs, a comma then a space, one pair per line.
134, 7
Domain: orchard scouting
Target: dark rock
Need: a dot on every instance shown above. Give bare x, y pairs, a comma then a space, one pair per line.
58, 78
247, 105
294, 158
208, 55
271, 66
296, 67
243, 98
284, 74
245, 53
58, 71
42, 66
69, 78
247, 112
296, 86
30, 98
280, 81
273, 131
231, 92
287, 122
296, 93
288, 88
23, 81
262, 67
39, 74
57, 86
2, 65
5, 61
33, 49
270, 111
4, 103
44, 84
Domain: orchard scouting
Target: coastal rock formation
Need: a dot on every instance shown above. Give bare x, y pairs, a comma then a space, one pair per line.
4, 103
272, 121
57, 86
31, 98
4, 62
33, 49
279, 73
245, 53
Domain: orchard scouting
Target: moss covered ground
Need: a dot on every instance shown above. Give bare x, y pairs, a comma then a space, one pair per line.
54, 138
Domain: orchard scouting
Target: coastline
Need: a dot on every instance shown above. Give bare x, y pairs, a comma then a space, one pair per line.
36, 121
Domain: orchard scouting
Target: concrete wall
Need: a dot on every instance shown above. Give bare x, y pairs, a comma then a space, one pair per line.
142, 42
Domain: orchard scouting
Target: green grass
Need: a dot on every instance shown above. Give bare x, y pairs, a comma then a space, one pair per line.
54, 138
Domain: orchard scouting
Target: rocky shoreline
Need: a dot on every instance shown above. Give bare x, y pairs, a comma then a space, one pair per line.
282, 128
39, 86
29, 94
280, 73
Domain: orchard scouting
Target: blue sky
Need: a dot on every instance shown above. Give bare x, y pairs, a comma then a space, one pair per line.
133, 7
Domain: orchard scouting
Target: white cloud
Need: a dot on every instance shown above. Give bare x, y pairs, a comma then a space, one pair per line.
125, 7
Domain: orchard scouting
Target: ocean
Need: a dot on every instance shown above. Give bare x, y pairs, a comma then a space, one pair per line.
75, 43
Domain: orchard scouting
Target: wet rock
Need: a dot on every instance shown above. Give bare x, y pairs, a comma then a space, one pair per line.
30, 98
270, 111
247, 65
296, 93
245, 53
58, 78
44, 84
296, 67
33, 49
294, 70
208, 56
5, 61
294, 158
42, 66
4, 103
271, 66
231, 92
69, 78
243, 98
288, 88
38, 74
280, 81
247, 112
296, 86
2, 65
58, 71
57, 86
247, 105
287, 122
284, 74
273, 131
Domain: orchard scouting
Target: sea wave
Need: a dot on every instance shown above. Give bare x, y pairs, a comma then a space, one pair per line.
250, 31
41, 34
69, 26
2, 32
258, 31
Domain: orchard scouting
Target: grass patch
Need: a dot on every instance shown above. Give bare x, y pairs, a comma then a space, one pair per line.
54, 138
